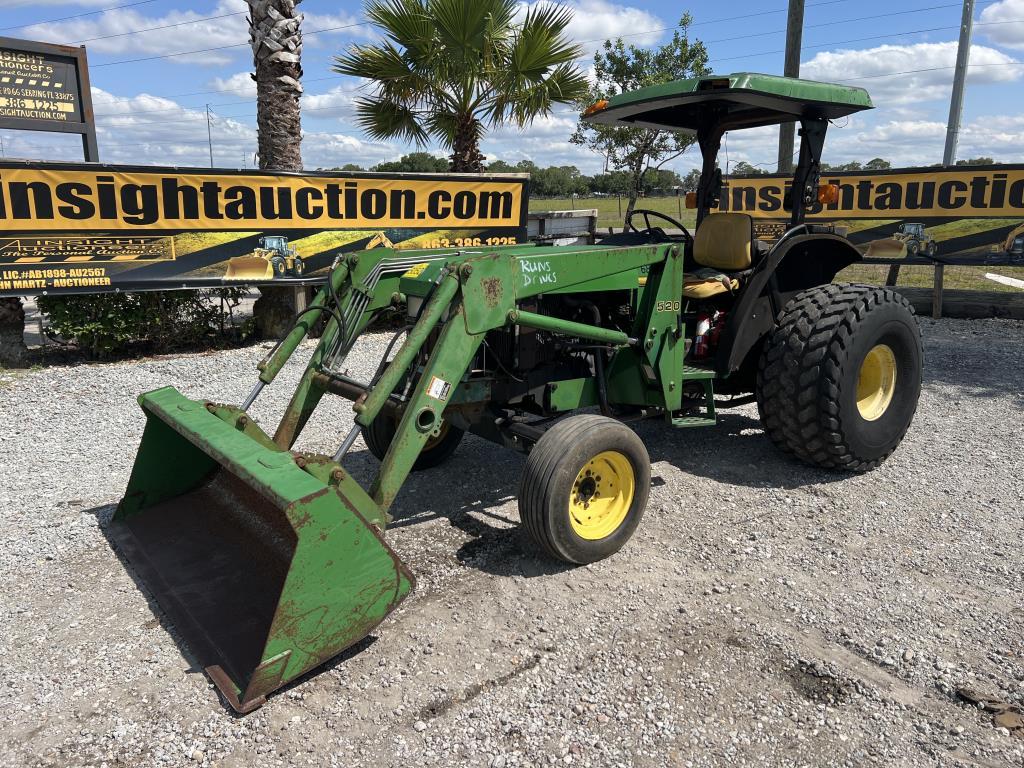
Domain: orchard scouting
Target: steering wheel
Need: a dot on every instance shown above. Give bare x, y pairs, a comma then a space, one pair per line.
657, 234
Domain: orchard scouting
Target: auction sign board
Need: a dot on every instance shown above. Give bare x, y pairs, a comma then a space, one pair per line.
86, 228
964, 214
45, 87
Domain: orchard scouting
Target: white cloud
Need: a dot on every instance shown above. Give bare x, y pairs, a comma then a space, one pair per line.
338, 97
238, 84
40, 3
152, 130
928, 69
594, 21
111, 27
107, 32
1005, 21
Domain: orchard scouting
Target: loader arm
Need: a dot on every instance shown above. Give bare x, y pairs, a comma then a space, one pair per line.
287, 546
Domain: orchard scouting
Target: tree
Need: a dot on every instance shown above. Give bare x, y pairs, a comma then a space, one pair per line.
351, 167
977, 161
415, 162
452, 69
276, 41
691, 180
500, 166
877, 164
743, 168
619, 68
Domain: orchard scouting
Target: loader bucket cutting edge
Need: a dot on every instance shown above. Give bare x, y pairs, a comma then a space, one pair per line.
265, 570
249, 268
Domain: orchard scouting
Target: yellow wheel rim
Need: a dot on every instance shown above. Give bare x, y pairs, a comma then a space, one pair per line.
876, 382
434, 440
601, 495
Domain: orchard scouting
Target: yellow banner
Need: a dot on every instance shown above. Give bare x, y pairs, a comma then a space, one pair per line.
83, 201
996, 192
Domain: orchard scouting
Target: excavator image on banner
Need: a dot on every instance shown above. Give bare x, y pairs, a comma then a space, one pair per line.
274, 258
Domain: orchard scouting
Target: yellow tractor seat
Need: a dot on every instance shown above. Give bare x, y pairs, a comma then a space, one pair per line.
705, 283
725, 241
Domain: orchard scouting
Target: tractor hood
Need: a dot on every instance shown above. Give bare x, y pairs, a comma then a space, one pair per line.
739, 100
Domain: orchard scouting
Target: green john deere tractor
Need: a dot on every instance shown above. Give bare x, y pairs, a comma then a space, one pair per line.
271, 560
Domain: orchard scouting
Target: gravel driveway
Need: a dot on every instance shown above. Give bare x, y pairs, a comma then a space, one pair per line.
765, 613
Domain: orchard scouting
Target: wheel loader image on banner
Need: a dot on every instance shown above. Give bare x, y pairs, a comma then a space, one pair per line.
910, 239
274, 258
270, 560
1013, 248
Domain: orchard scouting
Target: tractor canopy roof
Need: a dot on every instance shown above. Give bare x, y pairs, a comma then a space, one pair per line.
739, 100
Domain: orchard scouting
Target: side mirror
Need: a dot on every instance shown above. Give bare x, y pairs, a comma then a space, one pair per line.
828, 194
691, 201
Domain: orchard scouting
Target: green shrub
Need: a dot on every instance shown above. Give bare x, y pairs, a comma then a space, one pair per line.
106, 324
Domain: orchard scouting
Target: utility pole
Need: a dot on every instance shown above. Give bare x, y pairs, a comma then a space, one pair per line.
956, 101
209, 134
791, 68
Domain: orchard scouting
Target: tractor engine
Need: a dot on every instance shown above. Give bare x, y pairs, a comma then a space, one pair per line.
524, 360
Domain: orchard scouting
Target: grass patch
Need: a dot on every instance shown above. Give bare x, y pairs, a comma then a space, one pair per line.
608, 208
954, 277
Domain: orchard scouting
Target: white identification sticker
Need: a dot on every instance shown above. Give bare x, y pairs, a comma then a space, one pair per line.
439, 389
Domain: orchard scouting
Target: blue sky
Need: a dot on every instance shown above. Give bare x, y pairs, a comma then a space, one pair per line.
154, 111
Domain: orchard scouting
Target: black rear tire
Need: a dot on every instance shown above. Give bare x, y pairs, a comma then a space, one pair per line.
592, 457
814, 393
438, 449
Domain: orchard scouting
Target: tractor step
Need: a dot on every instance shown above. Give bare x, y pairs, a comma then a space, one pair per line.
691, 372
694, 421
706, 416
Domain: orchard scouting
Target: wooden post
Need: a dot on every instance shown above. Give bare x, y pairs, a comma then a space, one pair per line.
893, 276
937, 292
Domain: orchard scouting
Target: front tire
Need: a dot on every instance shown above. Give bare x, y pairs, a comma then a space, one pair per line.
437, 450
584, 488
840, 376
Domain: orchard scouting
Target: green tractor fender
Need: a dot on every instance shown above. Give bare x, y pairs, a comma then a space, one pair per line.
796, 264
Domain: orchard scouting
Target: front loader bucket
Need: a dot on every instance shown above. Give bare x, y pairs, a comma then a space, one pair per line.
887, 248
266, 568
249, 268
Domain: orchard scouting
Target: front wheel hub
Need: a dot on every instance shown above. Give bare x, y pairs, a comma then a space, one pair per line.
601, 495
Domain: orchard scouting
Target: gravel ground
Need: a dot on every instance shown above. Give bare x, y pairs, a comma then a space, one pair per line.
765, 613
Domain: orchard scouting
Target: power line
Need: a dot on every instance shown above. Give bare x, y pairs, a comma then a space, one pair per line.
220, 47
162, 26
743, 17
929, 69
865, 39
79, 15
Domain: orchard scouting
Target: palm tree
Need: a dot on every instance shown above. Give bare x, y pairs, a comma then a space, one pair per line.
452, 69
276, 41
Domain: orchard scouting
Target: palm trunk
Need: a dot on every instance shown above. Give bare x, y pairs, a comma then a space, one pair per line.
12, 333
466, 156
276, 40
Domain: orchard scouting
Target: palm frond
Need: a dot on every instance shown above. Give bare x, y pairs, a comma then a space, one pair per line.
407, 23
383, 120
